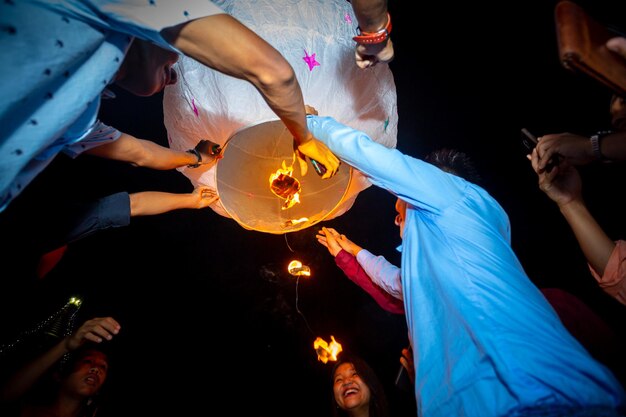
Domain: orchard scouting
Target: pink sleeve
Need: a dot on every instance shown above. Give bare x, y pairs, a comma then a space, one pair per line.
613, 281
353, 270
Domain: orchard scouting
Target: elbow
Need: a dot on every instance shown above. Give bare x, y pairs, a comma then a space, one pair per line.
278, 77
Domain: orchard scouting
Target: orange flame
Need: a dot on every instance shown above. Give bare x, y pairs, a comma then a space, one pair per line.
296, 269
325, 351
285, 186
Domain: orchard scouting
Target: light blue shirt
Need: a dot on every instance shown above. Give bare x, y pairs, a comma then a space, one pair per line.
485, 340
57, 58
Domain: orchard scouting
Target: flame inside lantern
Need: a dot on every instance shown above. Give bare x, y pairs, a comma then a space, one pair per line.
285, 186
296, 269
327, 351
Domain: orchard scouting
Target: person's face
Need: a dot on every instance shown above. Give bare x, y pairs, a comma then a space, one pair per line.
618, 113
148, 69
401, 209
88, 374
351, 392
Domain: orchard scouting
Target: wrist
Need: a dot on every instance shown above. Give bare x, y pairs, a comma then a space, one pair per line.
596, 143
198, 158
374, 38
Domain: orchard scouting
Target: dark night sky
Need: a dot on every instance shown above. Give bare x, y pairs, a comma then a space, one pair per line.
204, 302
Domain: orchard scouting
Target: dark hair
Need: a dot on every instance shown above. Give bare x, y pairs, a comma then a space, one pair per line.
378, 400
455, 162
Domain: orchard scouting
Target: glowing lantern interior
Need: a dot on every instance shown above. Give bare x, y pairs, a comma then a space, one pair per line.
263, 152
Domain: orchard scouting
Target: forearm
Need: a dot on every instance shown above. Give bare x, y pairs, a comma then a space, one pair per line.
148, 203
382, 273
371, 14
250, 58
353, 270
613, 146
143, 153
23, 380
593, 241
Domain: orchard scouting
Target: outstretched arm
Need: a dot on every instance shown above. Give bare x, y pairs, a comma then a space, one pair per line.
563, 186
345, 251
95, 330
223, 43
373, 17
148, 203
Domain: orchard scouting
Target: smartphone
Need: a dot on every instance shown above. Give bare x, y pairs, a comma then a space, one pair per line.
320, 169
528, 140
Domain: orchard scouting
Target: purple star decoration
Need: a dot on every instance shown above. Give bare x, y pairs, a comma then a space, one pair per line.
195, 109
310, 60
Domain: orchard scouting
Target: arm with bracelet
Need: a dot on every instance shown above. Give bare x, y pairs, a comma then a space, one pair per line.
373, 44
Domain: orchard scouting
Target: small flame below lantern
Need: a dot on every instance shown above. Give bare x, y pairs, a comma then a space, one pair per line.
285, 186
296, 269
326, 351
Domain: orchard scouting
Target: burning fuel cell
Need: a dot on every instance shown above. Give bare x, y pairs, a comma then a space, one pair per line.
284, 185
327, 351
261, 185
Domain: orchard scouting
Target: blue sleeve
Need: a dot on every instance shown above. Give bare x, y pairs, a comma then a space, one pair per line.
141, 18
417, 182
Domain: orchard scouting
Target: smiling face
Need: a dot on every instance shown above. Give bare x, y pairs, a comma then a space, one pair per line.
351, 392
87, 375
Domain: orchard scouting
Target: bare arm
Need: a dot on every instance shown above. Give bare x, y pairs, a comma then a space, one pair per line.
143, 153
249, 57
95, 330
148, 203
371, 14
563, 186
595, 244
577, 149
372, 17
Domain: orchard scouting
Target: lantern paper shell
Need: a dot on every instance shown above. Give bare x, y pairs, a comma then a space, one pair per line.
251, 156
206, 104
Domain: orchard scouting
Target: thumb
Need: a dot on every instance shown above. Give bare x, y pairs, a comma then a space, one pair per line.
304, 168
617, 44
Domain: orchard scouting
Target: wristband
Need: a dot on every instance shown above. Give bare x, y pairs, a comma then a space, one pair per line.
373, 38
595, 143
197, 154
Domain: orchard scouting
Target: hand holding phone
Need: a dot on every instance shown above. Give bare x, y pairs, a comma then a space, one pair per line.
530, 141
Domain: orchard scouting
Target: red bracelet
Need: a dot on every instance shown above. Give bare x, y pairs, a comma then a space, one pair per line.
372, 38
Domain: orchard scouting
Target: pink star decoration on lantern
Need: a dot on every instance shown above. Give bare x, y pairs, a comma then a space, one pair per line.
310, 60
195, 109
347, 18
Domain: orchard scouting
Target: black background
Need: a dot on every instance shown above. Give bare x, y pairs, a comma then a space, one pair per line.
211, 319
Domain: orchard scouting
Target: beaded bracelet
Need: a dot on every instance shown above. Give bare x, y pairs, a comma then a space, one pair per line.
373, 38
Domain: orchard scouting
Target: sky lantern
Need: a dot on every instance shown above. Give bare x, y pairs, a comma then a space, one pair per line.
206, 104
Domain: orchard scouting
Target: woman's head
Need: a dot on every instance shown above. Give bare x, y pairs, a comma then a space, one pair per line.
356, 389
85, 372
